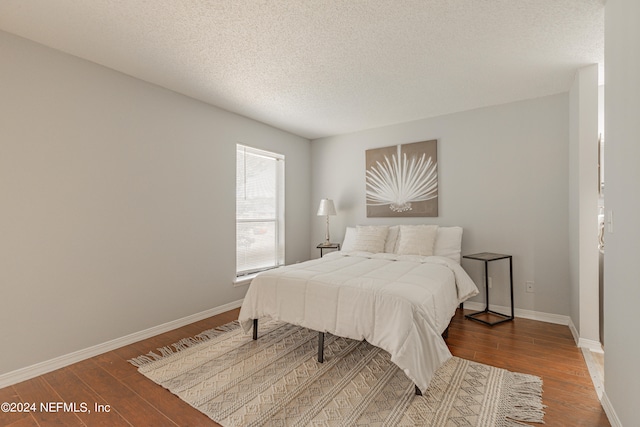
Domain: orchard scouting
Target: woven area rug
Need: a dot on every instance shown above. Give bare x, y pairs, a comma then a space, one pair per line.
277, 381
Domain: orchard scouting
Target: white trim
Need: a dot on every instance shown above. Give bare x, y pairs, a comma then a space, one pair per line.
525, 314
574, 331
543, 317
42, 368
244, 280
594, 373
590, 345
611, 413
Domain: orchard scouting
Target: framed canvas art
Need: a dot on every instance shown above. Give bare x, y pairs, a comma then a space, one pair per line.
402, 180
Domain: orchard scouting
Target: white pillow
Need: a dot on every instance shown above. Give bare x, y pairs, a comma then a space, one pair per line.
448, 243
349, 239
392, 239
416, 240
370, 238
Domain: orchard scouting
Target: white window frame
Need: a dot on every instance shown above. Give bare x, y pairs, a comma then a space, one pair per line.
244, 276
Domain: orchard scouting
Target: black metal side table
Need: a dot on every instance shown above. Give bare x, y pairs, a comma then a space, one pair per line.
487, 257
323, 246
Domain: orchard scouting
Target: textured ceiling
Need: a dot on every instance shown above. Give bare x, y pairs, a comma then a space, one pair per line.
325, 67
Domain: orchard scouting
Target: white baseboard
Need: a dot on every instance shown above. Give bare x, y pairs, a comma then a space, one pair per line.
543, 317
611, 413
591, 345
525, 314
574, 331
41, 368
593, 372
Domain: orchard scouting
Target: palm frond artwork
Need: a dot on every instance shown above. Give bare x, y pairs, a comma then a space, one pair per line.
399, 180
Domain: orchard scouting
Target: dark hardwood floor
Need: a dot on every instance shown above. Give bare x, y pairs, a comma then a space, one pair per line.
528, 346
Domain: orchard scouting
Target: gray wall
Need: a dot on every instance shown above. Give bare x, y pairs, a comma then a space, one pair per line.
622, 197
503, 176
117, 203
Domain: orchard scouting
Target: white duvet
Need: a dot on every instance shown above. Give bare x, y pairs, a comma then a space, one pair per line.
400, 303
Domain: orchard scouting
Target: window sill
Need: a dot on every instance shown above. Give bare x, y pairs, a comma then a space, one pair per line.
244, 280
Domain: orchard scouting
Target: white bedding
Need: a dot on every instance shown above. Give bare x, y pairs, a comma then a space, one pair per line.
400, 303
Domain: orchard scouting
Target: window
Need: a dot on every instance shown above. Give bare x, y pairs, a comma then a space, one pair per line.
259, 210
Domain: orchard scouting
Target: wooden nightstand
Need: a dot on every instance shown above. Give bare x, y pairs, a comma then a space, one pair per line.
323, 246
486, 313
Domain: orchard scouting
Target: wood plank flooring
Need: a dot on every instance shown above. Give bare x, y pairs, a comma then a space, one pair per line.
527, 346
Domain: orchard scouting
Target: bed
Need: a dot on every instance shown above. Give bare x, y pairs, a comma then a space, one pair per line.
396, 287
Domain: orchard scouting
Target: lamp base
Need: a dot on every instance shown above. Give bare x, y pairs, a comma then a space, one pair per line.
327, 241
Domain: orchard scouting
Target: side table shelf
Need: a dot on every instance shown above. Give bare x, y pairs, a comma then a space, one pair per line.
323, 246
488, 257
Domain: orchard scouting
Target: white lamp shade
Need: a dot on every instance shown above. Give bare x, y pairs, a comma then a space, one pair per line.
326, 208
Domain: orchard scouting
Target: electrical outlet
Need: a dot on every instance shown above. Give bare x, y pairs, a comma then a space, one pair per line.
529, 287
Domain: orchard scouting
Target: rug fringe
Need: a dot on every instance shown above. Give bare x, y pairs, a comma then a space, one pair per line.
183, 344
525, 400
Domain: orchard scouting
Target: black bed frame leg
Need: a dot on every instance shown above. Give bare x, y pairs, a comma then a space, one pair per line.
321, 347
255, 329
418, 392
